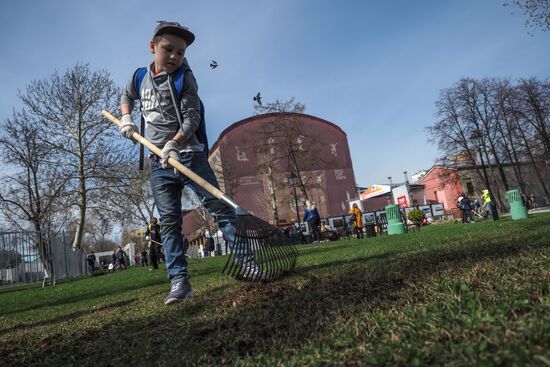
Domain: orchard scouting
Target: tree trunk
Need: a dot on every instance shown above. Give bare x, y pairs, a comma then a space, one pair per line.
82, 204
533, 162
273, 195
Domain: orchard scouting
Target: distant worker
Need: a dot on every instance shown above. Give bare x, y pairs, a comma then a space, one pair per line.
465, 205
120, 258
91, 261
533, 201
487, 202
152, 235
311, 216
357, 220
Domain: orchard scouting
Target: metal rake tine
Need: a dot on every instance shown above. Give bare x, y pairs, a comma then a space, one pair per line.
263, 258
248, 272
292, 254
245, 241
270, 256
229, 257
237, 263
278, 257
283, 256
280, 262
263, 251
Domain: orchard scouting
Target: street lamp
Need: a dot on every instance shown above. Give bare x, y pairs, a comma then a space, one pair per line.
292, 179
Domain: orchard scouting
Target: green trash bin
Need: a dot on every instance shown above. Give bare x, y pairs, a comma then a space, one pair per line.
395, 224
517, 208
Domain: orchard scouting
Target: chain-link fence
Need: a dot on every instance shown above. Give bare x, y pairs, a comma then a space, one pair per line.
24, 258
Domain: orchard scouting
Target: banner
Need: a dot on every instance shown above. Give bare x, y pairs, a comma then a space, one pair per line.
374, 190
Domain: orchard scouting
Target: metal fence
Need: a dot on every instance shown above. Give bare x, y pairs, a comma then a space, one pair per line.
24, 260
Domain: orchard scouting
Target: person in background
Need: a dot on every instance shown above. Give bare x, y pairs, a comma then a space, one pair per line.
327, 232
311, 216
357, 220
466, 208
113, 260
533, 201
209, 242
144, 261
120, 254
91, 261
526, 200
152, 235
488, 203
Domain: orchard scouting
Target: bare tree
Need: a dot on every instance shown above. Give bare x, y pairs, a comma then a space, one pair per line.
534, 96
537, 12
285, 145
99, 225
68, 107
225, 170
482, 117
30, 196
128, 197
517, 110
203, 219
495, 123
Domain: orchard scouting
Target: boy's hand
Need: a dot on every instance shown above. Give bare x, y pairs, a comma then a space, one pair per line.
128, 126
171, 149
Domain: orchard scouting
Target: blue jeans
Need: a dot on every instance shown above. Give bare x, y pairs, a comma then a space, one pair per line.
167, 187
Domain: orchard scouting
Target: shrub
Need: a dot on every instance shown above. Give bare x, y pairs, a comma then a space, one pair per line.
416, 216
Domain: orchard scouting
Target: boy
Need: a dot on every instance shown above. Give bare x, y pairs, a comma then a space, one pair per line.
172, 126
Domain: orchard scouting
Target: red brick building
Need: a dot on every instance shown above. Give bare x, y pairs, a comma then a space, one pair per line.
253, 159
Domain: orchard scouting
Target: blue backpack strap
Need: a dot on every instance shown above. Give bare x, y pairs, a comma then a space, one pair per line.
178, 80
139, 74
137, 78
201, 130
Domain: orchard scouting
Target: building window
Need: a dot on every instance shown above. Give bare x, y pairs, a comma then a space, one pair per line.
436, 198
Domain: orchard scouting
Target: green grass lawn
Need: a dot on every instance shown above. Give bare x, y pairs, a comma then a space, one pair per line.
474, 294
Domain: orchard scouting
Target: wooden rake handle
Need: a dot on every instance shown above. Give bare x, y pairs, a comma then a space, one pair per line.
176, 164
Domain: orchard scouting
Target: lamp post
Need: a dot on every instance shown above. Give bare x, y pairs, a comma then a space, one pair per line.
292, 179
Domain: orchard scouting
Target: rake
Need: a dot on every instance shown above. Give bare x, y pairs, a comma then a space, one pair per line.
274, 252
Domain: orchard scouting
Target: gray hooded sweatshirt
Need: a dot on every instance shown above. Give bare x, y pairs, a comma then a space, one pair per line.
158, 108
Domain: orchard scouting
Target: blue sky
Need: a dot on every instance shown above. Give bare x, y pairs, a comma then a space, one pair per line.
375, 68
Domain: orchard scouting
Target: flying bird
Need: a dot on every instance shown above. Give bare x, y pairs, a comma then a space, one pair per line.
258, 98
214, 64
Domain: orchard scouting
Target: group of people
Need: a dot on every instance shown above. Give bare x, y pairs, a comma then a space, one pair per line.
118, 259
464, 203
322, 231
470, 206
